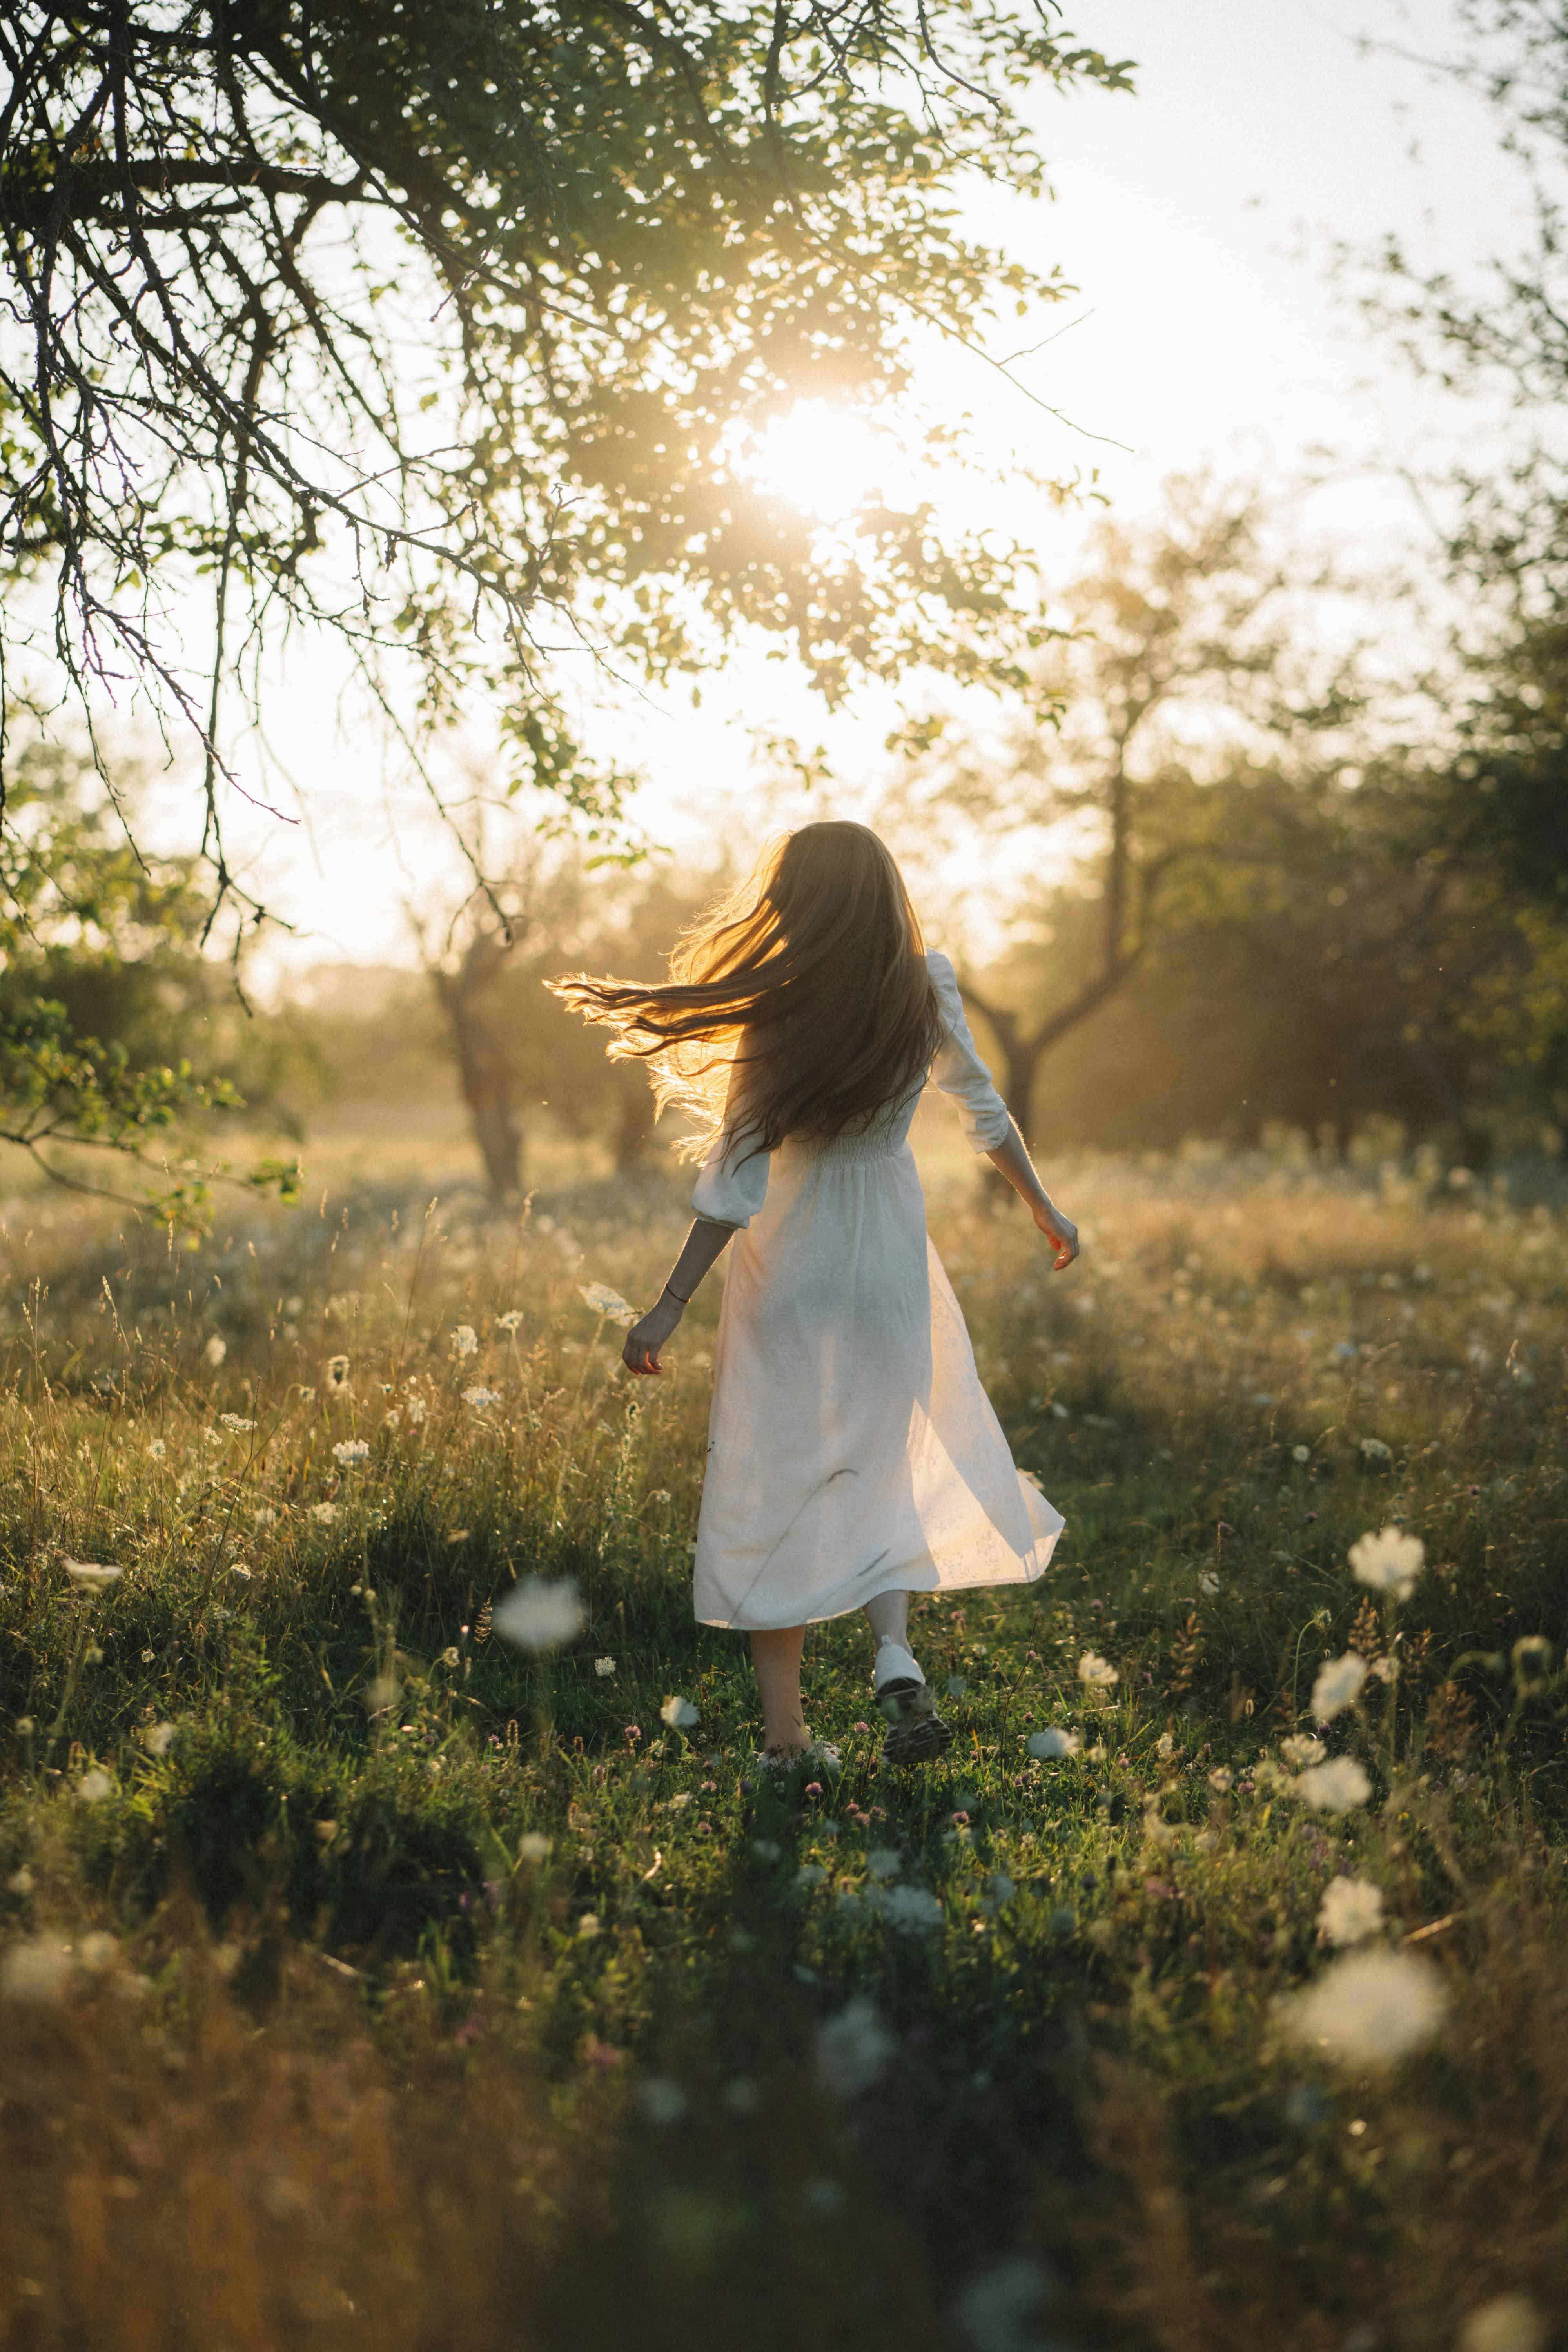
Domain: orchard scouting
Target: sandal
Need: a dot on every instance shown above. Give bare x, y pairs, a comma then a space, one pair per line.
916, 1733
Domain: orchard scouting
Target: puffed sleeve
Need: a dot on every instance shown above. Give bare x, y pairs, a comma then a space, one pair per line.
958, 1069
733, 1182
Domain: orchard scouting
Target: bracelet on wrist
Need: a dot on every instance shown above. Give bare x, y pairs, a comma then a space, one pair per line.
668, 1293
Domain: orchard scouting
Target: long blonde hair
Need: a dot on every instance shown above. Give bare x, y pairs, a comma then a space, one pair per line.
807, 987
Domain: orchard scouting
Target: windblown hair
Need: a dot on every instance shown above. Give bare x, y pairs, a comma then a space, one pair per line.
801, 1000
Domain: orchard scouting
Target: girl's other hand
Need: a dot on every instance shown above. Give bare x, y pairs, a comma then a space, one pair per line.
1059, 1231
646, 1338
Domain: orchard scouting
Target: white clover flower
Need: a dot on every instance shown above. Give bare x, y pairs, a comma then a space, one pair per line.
910, 1907
1097, 1672
510, 1320
158, 1739
94, 1786
39, 1972
480, 1398
1338, 1685
1300, 1748
465, 1340
1374, 1450
1368, 2009
1351, 1911
604, 1668
90, 1576
1300, 1454
679, 1713
607, 1303
349, 1450
216, 1350
662, 2103
1046, 1745
534, 1847
1509, 2322
853, 2049
1388, 1562
236, 1421
1337, 1787
539, 1614
324, 1513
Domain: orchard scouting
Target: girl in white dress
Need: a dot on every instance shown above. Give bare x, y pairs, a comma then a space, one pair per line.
853, 1456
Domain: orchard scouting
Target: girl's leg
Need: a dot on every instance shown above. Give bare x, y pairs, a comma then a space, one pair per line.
776, 1656
889, 1618
916, 1733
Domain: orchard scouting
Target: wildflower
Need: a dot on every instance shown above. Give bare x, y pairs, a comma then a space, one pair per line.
910, 1907
604, 1668
307, 1396
464, 1339
1368, 2009
1097, 1672
324, 1513
1208, 1584
459, 1534
767, 1849
37, 1973
588, 1924
1338, 1685
607, 1303
956, 1686
349, 1450
94, 1786
658, 1494
237, 1568
336, 1369
1302, 1749
90, 1577
1531, 1659
1300, 1454
809, 1874
1389, 1562
1165, 1746
510, 1321
534, 1846
539, 1614
882, 1861
679, 1713
293, 1306
216, 1350
24, 1727
1374, 1450
450, 1657
99, 1952
1221, 1779
662, 2103
157, 1449
382, 1694
853, 2049
1046, 1745
1351, 1911
480, 1398
236, 1422
417, 1410
20, 1882
1509, 2322
1337, 1787
263, 1516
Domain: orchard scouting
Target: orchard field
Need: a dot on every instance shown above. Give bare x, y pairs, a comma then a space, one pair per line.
368, 1979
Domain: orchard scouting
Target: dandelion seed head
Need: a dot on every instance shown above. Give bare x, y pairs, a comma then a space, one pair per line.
1368, 2009
1046, 1745
539, 1614
1300, 1454
94, 1786
158, 1739
216, 1350
679, 1713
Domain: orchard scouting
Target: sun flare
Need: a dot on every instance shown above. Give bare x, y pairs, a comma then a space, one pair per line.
826, 460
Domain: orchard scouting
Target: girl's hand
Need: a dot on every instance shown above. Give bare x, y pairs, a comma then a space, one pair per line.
646, 1338
1059, 1231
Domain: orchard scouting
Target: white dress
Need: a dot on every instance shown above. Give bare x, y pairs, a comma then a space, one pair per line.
851, 1448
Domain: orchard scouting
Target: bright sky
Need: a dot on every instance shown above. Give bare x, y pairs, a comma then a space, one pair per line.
1196, 218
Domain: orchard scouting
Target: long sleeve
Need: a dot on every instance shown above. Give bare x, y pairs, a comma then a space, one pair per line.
958, 1069
733, 1182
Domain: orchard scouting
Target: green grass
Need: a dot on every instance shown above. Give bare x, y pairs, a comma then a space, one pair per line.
562, 1973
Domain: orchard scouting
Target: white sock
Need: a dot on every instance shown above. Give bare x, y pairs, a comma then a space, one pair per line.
894, 1665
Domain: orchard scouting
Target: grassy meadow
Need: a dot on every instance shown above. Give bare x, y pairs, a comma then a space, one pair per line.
365, 1980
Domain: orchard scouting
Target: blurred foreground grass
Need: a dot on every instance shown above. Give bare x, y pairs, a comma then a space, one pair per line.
365, 1980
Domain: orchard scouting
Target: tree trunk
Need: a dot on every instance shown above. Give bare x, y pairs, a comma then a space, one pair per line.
484, 1077
633, 1131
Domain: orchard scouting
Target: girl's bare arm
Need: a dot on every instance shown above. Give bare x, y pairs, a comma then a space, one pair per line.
1011, 1159
701, 1249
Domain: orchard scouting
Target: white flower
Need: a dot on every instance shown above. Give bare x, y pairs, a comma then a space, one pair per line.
337, 1372
604, 1668
324, 1513
1338, 1685
1208, 1584
1389, 1562
464, 1339
1370, 2010
1046, 1745
99, 1952
382, 1692
509, 1320
216, 1350
607, 1303
1300, 1454
158, 1739
678, 1712
588, 1924
661, 2102
480, 1398
1374, 1450
157, 1449
39, 1971
237, 1568
1165, 1746
534, 1846
1509, 2322
883, 1862
20, 1881
265, 1516
910, 1907
94, 1786
1221, 1779
417, 1410
1302, 1749
236, 1421
451, 1657
1097, 1672
1337, 1787
349, 1450
539, 1613
1351, 1911
853, 2049
90, 1576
